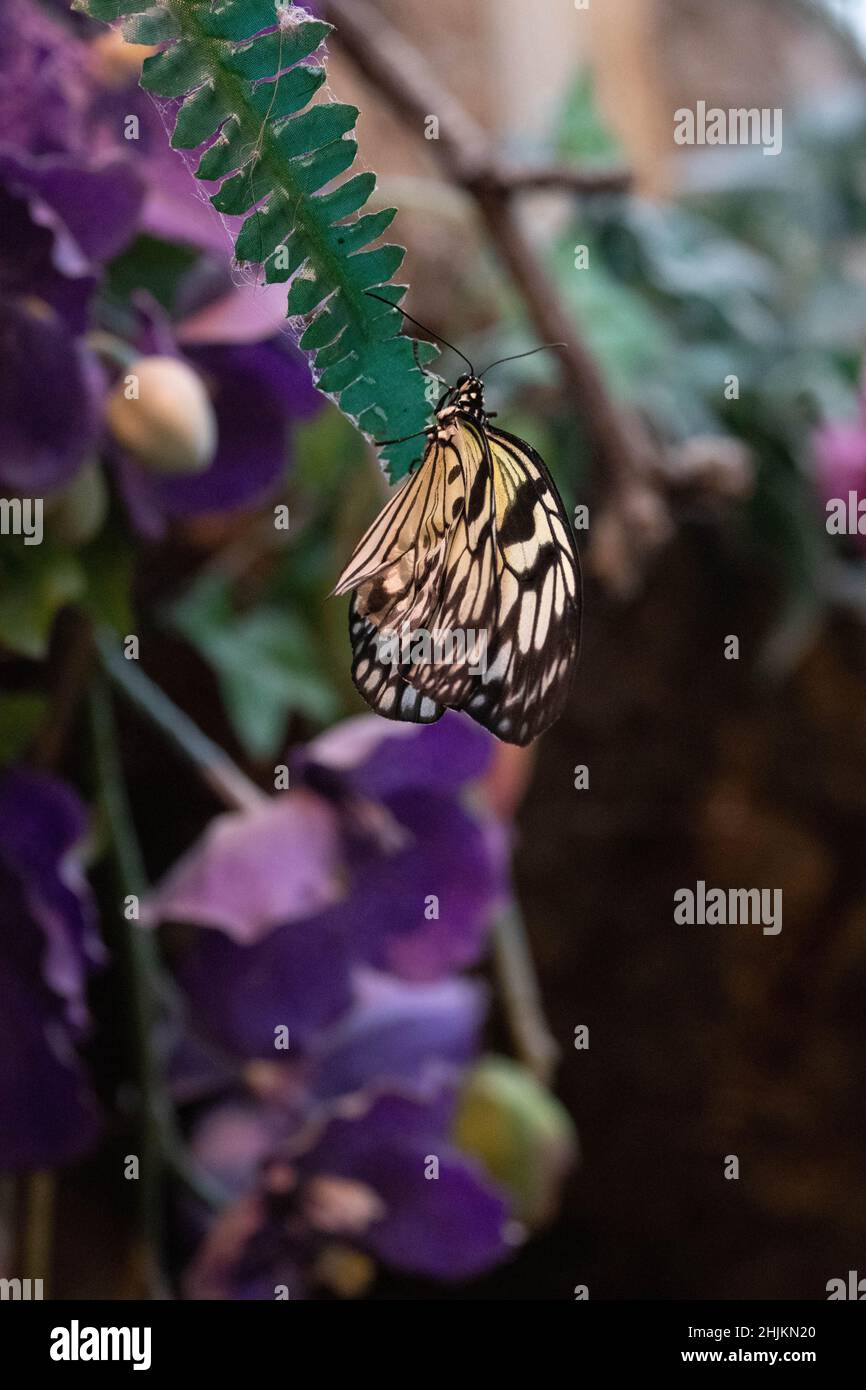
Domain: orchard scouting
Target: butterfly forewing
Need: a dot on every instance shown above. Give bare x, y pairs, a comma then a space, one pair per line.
400, 530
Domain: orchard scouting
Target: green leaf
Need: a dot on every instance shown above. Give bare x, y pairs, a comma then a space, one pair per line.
108, 565
265, 661
149, 264
35, 583
276, 157
625, 335
581, 132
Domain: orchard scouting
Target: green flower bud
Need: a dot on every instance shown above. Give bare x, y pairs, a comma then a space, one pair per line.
519, 1132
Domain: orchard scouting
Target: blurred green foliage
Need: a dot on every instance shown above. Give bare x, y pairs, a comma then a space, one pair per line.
265, 661
276, 644
757, 271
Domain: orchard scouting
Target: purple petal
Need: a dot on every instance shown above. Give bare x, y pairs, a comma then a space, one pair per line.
257, 391
379, 756
262, 877
48, 1114
175, 208
45, 434
41, 823
139, 492
48, 943
453, 1226
44, 80
28, 269
395, 1031
427, 908
63, 193
297, 977
254, 870
250, 313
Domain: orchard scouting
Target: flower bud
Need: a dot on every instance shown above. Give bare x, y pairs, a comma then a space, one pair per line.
161, 414
520, 1133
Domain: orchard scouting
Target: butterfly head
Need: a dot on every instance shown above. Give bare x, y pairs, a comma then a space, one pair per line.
468, 397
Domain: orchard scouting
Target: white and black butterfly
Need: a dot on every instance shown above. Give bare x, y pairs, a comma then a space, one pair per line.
476, 547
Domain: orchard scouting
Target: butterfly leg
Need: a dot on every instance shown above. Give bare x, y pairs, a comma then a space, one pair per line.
381, 443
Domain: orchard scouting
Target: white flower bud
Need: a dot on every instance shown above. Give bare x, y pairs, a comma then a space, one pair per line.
160, 413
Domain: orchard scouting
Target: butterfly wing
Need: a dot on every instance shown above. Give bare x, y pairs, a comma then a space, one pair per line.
381, 681
512, 574
394, 571
465, 613
534, 644
390, 550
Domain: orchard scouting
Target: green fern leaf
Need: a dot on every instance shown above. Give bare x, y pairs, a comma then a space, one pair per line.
246, 71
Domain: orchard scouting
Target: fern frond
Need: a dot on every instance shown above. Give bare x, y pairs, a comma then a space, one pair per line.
246, 71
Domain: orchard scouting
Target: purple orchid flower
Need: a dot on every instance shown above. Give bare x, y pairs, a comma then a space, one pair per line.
328, 1149
376, 1172
48, 945
391, 1032
371, 860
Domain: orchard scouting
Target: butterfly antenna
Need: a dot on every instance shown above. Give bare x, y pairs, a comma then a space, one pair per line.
517, 355
423, 327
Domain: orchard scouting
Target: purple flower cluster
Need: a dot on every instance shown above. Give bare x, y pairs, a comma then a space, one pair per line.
327, 1034
326, 1017
85, 169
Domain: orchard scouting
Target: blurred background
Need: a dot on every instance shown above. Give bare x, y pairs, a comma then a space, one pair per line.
198, 846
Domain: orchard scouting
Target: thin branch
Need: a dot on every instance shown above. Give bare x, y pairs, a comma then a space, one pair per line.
215, 767
149, 993
72, 653
621, 450
583, 183
37, 1235
533, 1042
141, 967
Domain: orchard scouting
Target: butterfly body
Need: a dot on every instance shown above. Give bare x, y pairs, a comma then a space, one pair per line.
467, 586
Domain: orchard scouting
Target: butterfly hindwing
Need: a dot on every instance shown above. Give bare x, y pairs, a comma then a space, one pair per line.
511, 586
533, 649
381, 682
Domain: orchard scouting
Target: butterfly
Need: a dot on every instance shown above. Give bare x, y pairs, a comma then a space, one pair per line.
466, 589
